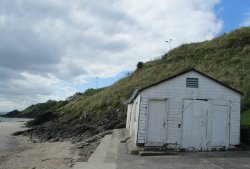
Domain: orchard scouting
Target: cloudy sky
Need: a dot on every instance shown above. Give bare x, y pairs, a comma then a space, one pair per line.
50, 49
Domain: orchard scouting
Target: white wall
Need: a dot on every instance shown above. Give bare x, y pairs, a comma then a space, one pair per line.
129, 112
175, 90
133, 117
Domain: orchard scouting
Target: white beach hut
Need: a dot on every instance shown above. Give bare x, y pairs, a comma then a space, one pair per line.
189, 111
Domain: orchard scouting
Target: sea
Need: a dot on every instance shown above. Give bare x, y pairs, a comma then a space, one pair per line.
7, 127
12, 120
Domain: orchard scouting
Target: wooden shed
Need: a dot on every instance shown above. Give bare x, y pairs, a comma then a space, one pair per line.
190, 111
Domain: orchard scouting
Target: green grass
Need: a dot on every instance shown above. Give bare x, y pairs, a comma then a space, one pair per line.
40, 108
245, 118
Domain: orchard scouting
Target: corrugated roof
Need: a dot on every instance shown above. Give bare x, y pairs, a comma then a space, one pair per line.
137, 91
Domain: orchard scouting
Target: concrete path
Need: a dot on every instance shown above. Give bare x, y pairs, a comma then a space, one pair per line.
185, 160
111, 154
105, 156
79, 165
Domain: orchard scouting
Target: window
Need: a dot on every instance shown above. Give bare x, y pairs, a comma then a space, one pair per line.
192, 82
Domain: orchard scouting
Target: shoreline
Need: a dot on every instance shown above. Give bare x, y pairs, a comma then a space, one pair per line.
7, 141
18, 152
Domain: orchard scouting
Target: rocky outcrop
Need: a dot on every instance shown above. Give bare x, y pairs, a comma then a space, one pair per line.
84, 131
43, 118
52, 127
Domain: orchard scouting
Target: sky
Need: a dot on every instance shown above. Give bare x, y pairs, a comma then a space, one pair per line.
50, 49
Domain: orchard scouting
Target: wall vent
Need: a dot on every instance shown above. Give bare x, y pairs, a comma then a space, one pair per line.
192, 82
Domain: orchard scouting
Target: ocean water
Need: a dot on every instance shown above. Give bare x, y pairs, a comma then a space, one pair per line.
7, 127
13, 120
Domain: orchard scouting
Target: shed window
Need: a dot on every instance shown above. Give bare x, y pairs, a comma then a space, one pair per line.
192, 82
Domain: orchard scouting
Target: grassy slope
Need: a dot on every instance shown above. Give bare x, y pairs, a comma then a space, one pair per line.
226, 58
41, 108
55, 106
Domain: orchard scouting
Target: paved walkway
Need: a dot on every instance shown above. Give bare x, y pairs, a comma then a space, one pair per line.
187, 160
105, 156
111, 154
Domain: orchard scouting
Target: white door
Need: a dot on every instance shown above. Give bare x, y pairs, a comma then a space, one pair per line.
195, 125
156, 123
220, 126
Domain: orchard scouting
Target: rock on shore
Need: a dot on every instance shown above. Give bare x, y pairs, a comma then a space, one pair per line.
87, 136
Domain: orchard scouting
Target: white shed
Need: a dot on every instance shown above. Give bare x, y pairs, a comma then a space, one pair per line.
189, 111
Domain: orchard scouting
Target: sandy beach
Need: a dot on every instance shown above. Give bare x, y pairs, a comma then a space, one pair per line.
17, 152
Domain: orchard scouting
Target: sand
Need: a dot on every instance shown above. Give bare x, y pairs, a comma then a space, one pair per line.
17, 152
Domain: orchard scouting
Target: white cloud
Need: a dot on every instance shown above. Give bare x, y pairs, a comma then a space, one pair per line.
55, 44
31, 88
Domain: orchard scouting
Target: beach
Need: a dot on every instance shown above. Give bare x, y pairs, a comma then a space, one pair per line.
18, 152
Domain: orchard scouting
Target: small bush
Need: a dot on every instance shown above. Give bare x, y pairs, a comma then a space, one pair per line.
139, 65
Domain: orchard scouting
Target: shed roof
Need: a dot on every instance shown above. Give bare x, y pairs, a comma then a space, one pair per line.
137, 91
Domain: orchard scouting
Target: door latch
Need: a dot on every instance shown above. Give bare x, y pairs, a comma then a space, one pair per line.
164, 124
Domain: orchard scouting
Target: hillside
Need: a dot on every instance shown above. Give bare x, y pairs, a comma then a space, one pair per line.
38, 109
226, 58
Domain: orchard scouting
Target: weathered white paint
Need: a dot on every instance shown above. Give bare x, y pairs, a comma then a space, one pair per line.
195, 124
132, 118
156, 122
129, 114
220, 125
217, 113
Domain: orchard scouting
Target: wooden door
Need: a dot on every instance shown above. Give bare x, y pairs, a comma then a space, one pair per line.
156, 123
194, 125
220, 126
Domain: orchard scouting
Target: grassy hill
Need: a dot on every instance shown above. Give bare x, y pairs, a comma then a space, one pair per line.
41, 108
38, 109
51, 105
226, 58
